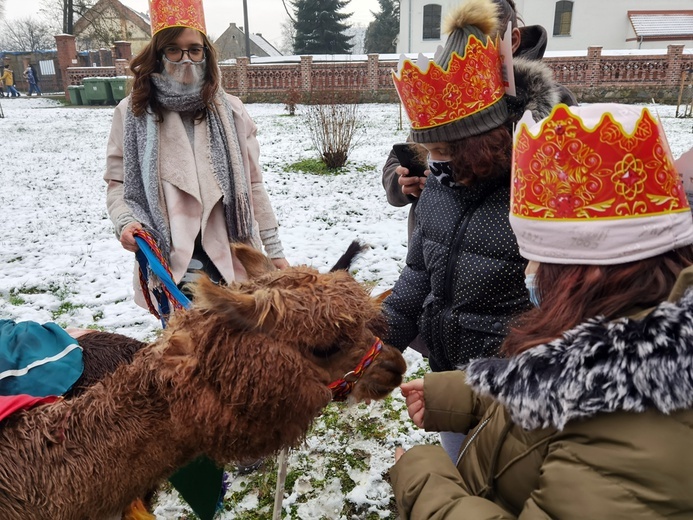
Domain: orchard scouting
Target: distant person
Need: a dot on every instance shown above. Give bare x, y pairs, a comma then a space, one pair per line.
30, 75
8, 80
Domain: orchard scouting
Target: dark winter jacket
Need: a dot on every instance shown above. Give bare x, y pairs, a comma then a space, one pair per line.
464, 277
595, 425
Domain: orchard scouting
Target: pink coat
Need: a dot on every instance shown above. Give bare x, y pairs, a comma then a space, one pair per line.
192, 202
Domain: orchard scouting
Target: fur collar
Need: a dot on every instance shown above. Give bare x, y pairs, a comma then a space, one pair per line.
599, 366
535, 88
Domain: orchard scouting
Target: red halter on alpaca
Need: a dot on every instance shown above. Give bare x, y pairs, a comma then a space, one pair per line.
342, 387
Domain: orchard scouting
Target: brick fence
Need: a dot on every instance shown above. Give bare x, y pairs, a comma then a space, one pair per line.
594, 77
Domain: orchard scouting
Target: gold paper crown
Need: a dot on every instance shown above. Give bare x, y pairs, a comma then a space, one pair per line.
471, 83
569, 172
176, 13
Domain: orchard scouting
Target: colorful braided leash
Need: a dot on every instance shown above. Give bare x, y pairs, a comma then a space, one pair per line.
166, 292
343, 387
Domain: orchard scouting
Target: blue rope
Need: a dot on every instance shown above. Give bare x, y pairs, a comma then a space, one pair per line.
146, 258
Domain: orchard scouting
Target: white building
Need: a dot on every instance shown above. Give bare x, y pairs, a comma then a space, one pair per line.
571, 25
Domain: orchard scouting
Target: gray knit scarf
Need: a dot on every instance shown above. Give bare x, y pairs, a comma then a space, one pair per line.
141, 179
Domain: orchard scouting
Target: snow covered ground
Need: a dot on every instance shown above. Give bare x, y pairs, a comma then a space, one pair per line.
61, 262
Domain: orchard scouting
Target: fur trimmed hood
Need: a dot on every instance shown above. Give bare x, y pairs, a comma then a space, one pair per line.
599, 366
535, 88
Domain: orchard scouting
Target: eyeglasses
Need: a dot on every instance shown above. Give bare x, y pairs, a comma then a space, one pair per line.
195, 53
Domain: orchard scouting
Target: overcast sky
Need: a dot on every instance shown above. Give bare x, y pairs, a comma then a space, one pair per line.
264, 16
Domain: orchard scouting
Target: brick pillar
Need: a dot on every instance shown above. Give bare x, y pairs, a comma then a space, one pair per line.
67, 56
373, 72
594, 60
122, 51
306, 73
674, 65
105, 57
122, 67
242, 71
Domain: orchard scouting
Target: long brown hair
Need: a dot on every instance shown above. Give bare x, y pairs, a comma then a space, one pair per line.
571, 294
147, 62
483, 156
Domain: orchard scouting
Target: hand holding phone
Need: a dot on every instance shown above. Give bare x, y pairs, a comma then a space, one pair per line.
409, 159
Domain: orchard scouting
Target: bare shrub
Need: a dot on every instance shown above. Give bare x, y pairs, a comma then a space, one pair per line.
292, 97
333, 123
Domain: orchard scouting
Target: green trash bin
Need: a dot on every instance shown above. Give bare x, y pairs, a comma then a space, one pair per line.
118, 87
97, 91
74, 94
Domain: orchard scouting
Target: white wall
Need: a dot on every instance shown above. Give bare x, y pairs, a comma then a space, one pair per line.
595, 22
411, 35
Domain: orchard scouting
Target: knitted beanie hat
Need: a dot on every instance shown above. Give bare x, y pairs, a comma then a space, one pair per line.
461, 93
596, 185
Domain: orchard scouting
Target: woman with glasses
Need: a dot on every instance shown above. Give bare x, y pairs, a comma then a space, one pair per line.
183, 163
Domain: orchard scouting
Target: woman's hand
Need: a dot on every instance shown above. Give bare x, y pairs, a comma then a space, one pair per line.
280, 263
413, 391
410, 185
127, 236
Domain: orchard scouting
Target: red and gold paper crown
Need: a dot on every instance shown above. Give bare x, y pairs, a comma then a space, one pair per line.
470, 84
570, 172
176, 13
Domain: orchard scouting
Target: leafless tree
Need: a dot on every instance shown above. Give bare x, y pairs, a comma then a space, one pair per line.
2, 9
26, 34
288, 32
64, 13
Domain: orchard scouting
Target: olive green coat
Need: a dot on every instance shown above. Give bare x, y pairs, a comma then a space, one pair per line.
595, 425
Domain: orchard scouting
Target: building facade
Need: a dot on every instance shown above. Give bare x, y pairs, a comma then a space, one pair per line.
109, 21
231, 44
572, 25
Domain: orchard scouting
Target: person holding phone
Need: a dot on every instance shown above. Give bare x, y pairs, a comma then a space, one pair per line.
463, 280
402, 187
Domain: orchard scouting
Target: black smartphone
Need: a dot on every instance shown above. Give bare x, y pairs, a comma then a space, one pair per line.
409, 159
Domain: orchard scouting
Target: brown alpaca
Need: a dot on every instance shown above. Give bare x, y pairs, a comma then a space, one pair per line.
240, 375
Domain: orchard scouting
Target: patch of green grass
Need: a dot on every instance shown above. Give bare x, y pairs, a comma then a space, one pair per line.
314, 166
65, 308
15, 299
16, 259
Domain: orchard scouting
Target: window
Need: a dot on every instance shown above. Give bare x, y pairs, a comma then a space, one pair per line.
431, 22
563, 18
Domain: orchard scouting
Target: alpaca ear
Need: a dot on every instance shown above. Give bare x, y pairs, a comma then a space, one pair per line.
254, 262
259, 310
379, 299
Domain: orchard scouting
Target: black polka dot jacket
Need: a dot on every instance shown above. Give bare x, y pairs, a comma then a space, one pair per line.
464, 276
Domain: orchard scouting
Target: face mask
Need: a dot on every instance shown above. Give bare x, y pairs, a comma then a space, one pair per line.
532, 288
186, 75
440, 167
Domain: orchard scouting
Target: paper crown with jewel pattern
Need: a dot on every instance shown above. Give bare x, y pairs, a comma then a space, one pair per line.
459, 93
176, 13
437, 96
596, 185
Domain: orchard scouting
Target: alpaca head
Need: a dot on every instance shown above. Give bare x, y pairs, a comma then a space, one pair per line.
266, 349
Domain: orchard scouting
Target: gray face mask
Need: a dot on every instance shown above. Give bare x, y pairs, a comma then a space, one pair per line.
184, 76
